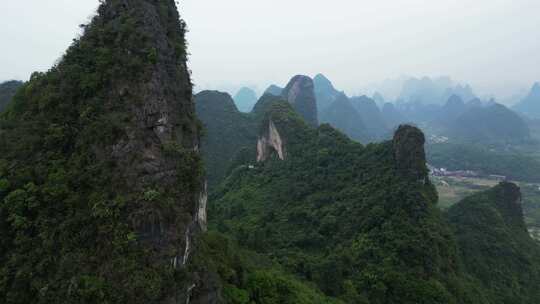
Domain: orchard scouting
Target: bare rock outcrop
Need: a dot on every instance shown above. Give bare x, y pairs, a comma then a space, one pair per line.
270, 142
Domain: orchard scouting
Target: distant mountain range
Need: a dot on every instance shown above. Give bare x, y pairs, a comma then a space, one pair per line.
245, 99
325, 92
530, 105
274, 90
433, 91
342, 115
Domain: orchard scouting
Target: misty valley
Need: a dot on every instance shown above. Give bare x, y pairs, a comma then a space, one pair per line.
123, 182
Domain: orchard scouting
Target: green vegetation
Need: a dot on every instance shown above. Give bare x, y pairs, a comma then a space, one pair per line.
101, 181
76, 208
249, 278
227, 132
531, 205
452, 190
342, 115
230, 136
495, 245
7, 91
327, 214
515, 166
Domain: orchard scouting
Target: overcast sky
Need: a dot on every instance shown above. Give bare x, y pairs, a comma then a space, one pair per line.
491, 44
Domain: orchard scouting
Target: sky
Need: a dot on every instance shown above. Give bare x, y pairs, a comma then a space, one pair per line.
491, 44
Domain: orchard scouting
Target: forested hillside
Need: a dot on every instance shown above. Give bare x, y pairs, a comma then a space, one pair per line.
119, 185
495, 246
227, 131
358, 221
7, 91
101, 189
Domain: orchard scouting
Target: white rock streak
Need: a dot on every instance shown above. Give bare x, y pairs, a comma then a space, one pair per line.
188, 245
270, 140
201, 213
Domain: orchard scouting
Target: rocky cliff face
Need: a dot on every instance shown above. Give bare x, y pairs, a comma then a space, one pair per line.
270, 141
301, 95
117, 122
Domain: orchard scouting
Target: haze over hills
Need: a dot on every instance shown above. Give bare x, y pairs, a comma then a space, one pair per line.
492, 123
342, 115
274, 90
530, 105
7, 91
245, 99
325, 92
300, 93
371, 115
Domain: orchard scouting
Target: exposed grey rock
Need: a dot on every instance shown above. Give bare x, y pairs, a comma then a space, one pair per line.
270, 141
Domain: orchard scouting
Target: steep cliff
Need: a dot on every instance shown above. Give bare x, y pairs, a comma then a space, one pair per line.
101, 183
300, 93
409, 154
